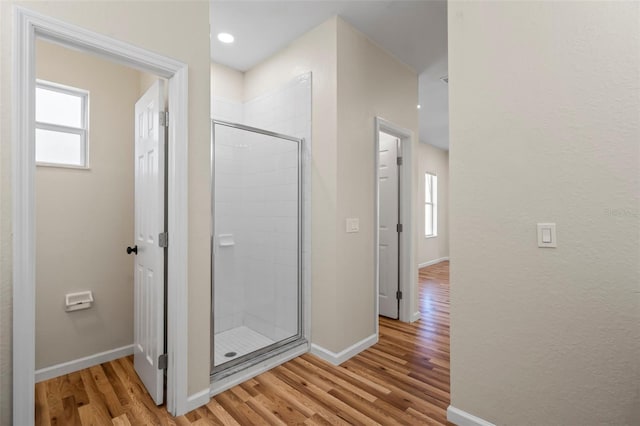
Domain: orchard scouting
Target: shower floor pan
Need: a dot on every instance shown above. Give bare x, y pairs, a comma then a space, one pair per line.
234, 343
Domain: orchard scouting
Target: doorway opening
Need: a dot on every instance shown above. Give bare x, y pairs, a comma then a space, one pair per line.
395, 283
29, 28
99, 189
389, 224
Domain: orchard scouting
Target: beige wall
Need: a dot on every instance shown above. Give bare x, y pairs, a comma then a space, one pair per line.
545, 127
436, 161
84, 218
316, 52
227, 83
353, 82
371, 83
137, 23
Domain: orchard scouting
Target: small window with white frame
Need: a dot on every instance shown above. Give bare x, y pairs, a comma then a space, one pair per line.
430, 205
62, 125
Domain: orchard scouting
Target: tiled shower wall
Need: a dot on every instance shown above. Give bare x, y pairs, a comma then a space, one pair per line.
228, 270
226, 109
256, 278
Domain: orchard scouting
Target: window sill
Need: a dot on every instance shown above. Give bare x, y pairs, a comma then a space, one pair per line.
430, 236
62, 166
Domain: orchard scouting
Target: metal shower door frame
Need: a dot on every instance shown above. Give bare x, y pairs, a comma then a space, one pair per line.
255, 357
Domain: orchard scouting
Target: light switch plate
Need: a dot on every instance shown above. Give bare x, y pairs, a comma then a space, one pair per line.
353, 224
547, 235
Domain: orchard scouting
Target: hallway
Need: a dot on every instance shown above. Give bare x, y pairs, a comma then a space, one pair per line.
403, 379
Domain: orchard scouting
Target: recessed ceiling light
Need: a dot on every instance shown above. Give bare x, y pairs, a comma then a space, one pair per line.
419, 106
226, 38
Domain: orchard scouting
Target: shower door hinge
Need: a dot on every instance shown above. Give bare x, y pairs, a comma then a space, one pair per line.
399, 161
399, 295
162, 362
163, 239
164, 118
399, 227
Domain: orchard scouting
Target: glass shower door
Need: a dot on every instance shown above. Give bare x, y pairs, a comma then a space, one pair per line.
256, 244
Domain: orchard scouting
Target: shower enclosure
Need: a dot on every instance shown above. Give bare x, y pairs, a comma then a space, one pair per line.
256, 246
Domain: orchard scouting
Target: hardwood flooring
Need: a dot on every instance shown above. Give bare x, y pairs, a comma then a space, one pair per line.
403, 379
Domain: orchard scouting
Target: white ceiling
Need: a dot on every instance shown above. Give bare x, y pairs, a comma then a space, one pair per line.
414, 31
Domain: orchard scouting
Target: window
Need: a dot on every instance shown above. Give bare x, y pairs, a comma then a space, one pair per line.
61, 125
430, 205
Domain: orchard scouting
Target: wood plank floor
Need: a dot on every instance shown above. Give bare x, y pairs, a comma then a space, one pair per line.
404, 379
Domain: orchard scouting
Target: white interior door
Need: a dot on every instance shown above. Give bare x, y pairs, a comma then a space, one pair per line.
388, 220
149, 224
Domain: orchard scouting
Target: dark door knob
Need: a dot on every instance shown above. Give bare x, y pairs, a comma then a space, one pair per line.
132, 250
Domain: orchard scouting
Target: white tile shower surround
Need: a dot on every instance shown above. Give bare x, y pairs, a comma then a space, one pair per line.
226, 110
256, 202
241, 340
260, 210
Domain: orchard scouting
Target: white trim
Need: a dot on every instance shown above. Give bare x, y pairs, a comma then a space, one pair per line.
462, 418
198, 399
28, 25
23, 218
415, 316
82, 363
177, 252
432, 262
342, 356
408, 272
228, 382
62, 166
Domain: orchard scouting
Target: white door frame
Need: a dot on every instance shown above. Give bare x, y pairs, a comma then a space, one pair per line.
28, 26
406, 265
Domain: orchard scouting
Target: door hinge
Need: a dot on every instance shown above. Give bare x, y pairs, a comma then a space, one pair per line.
399, 295
399, 227
162, 362
164, 118
399, 161
163, 239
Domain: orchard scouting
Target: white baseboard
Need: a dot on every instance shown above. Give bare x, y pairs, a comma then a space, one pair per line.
342, 356
432, 262
415, 316
198, 399
82, 363
462, 418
